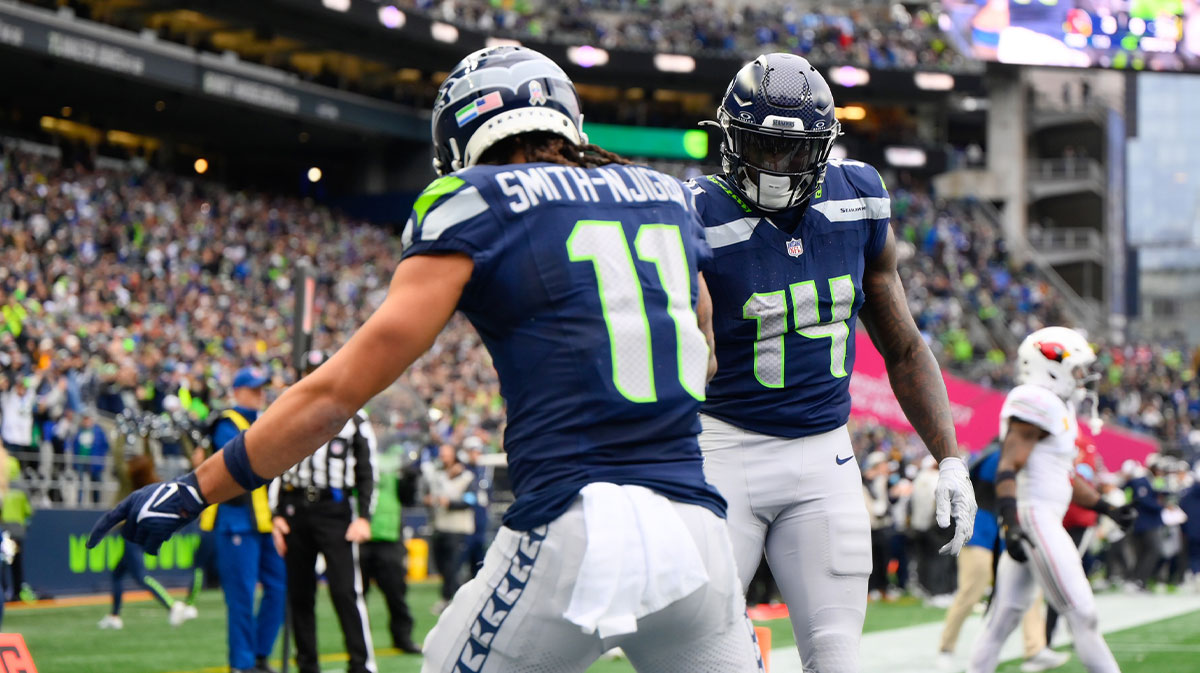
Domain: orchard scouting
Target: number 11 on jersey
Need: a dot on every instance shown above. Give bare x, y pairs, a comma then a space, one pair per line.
603, 243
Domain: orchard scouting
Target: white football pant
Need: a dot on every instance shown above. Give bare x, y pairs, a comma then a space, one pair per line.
800, 500
1054, 565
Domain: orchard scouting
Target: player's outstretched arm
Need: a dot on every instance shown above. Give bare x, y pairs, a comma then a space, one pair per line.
704, 318
918, 385
424, 293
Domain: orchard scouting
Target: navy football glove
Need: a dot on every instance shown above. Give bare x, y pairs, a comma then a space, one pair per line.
153, 513
1015, 537
1124, 516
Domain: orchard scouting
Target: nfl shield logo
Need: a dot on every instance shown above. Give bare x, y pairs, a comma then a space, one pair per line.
795, 247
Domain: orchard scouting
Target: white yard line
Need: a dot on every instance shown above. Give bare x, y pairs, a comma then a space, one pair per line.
913, 649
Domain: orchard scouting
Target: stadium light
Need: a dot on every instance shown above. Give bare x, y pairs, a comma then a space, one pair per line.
851, 113
66, 111
314, 174
587, 56
337, 5
443, 32
905, 157
674, 63
500, 42
849, 76
933, 81
201, 166
391, 17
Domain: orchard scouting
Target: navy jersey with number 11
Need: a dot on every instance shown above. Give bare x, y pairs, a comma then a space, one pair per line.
583, 290
785, 304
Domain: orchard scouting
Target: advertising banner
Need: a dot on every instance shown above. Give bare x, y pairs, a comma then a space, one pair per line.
976, 409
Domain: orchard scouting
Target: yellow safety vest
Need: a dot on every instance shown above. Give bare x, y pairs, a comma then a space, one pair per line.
258, 497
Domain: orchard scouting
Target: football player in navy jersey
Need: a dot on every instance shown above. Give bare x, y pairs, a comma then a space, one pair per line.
801, 244
580, 273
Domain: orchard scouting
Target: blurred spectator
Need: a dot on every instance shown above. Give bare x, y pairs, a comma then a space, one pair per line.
15, 513
875, 491
448, 485
245, 550
1189, 502
935, 572
16, 417
90, 447
1145, 535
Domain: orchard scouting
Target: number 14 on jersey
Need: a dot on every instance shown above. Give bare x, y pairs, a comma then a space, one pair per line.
770, 312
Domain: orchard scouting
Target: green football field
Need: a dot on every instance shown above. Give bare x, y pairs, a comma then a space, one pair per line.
66, 639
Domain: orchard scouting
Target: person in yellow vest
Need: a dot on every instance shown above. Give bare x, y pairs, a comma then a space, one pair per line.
245, 552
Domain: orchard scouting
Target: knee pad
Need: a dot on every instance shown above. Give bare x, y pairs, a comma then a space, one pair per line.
1082, 619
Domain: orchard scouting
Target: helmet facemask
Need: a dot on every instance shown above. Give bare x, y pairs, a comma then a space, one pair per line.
774, 168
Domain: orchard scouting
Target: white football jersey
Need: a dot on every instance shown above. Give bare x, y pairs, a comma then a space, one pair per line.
1047, 476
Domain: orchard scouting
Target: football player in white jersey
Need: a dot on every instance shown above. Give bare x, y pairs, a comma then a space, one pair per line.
1034, 484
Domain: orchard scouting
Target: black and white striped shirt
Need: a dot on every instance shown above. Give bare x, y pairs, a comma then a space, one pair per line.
346, 463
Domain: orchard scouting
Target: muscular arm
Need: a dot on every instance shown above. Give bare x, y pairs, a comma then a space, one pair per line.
1018, 444
912, 370
704, 316
423, 295
1084, 495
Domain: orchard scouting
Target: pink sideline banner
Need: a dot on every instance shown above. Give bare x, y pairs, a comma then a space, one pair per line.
976, 410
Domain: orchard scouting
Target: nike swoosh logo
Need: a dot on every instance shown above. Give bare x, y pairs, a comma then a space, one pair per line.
843, 461
159, 497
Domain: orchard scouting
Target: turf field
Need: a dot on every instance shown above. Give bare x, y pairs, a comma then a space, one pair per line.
66, 639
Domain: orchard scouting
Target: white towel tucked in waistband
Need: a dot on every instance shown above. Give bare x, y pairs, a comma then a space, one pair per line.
640, 558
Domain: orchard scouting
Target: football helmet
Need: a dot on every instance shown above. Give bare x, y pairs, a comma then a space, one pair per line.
496, 93
778, 123
1057, 358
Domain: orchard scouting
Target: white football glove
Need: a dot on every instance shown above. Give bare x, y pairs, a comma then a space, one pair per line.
955, 497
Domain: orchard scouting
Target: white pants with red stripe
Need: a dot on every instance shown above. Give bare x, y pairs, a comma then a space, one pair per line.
1054, 565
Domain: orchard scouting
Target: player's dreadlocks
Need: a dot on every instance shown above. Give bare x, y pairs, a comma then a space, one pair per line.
550, 148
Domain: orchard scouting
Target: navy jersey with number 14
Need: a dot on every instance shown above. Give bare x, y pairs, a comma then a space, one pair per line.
583, 290
785, 304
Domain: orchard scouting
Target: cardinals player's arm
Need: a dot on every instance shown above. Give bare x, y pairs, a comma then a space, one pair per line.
423, 295
911, 367
704, 316
1018, 444
1086, 496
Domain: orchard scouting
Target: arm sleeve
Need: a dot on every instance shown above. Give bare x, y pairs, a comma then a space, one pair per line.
365, 471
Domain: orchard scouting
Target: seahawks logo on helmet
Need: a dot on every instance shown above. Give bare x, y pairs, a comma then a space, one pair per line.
496, 93
778, 123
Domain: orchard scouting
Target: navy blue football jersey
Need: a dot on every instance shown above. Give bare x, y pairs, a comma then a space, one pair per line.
583, 290
785, 304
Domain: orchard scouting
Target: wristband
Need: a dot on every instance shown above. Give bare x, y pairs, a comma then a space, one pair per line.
1005, 475
237, 461
1102, 507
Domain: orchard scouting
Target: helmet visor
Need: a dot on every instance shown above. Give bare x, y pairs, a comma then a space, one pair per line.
794, 153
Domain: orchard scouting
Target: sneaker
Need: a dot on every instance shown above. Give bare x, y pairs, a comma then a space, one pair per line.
26, 593
181, 612
946, 663
874, 595
1045, 660
111, 622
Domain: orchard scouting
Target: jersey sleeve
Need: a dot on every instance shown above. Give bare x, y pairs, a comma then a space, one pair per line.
873, 191
452, 215
694, 237
1037, 406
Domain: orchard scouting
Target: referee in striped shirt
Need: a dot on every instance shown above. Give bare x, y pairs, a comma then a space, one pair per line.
324, 504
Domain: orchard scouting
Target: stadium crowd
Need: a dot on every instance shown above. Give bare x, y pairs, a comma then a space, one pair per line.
141, 291
877, 35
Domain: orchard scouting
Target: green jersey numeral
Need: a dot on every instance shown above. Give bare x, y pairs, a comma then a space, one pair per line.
603, 243
769, 311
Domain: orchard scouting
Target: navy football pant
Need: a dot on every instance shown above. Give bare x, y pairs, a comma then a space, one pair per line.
244, 560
